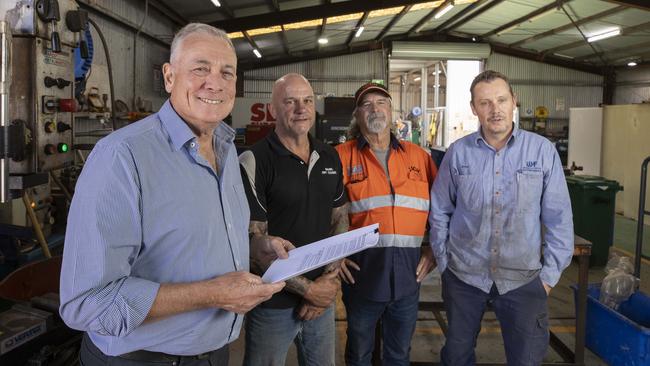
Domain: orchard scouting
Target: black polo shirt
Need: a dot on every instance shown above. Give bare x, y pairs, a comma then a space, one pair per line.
295, 197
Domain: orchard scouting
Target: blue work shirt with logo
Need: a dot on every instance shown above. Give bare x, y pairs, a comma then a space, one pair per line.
501, 217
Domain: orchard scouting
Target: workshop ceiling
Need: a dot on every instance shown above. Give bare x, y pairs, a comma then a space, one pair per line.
551, 31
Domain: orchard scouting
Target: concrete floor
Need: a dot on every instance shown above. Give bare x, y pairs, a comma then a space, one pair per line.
428, 339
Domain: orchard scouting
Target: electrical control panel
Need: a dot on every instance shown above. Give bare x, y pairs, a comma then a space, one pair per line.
41, 94
42, 99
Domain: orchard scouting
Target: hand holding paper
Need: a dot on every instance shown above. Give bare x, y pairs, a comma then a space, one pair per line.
322, 252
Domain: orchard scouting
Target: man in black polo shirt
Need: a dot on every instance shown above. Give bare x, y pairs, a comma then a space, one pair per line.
295, 192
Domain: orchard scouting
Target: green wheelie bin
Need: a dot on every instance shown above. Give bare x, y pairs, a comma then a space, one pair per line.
593, 200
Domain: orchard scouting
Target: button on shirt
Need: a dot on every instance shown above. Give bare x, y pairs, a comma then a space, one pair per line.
488, 209
148, 209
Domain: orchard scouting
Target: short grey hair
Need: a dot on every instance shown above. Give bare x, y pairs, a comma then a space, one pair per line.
197, 28
489, 76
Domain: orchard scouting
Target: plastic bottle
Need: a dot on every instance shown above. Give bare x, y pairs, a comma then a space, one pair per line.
617, 287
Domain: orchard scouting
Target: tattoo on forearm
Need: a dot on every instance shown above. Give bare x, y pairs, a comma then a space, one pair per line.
332, 266
256, 263
258, 227
298, 285
340, 222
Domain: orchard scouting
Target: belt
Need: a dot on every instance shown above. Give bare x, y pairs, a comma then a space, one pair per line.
149, 356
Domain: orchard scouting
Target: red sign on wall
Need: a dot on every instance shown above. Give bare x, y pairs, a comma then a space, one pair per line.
261, 113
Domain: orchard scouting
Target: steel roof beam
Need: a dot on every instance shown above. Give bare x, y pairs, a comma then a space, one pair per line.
463, 13
624, 31
168, 12
308, 13
542, 10
273, 4
639, 4
356, 28
568, 26
392, 22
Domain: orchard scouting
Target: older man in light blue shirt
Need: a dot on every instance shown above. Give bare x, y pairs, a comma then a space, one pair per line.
501, 229
156, 258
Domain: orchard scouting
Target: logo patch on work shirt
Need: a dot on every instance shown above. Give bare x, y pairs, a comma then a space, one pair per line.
414, 173
356, 169
531, 165
328, 171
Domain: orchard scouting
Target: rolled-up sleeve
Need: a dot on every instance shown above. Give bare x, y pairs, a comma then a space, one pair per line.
104, 236
443, 204
557, 220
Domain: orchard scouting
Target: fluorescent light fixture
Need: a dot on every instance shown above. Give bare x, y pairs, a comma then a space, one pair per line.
359, 31
563, 56
417, 78
323, 40
257, 53
216, 3
631, 63
445, 9
607, 34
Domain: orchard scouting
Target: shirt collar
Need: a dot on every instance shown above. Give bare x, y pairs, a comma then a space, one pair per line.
180, 133
395, 144
511, 140
279, 148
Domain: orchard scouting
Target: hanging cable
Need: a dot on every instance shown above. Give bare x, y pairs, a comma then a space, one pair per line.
110, 71
135, 50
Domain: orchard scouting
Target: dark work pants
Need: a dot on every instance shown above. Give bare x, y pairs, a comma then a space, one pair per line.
90, 355
522, 314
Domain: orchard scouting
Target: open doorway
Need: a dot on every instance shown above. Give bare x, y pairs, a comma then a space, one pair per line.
433, 98
429, 83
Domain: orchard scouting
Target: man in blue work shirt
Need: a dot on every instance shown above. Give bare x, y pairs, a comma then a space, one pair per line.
156, 258
495, 190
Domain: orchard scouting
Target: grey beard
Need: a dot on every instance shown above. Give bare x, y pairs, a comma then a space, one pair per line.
376, 125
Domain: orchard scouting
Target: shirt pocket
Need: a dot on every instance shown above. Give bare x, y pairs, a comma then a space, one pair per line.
357, 190
420, 190
529, 191
470, 192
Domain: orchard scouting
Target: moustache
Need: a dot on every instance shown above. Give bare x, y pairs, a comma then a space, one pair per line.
376, 115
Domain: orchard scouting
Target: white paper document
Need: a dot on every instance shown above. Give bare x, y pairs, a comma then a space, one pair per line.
322, 252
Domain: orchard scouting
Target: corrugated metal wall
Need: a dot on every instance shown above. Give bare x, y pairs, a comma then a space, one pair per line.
632, 85
537, 84
335, 76
150, 55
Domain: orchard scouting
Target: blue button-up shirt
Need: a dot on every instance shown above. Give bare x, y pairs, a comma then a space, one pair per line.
149, 209
492, 210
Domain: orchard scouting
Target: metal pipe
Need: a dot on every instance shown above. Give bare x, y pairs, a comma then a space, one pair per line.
436, 87
5, 83
640, 219
61, 186
40, 237
135, 53
424, 98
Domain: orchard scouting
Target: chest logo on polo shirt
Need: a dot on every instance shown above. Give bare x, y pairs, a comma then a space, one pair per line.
328, 171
